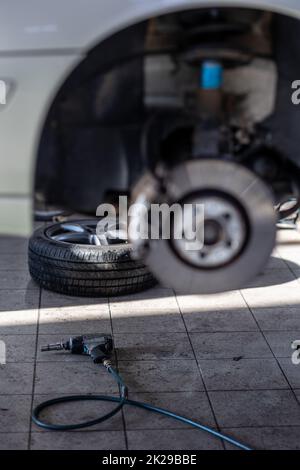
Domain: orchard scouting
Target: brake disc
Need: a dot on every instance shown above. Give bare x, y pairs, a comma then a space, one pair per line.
239, 228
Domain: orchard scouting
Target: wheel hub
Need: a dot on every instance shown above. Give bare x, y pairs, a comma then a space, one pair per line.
224, 233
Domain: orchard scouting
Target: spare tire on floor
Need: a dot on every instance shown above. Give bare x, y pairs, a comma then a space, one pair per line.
69, 258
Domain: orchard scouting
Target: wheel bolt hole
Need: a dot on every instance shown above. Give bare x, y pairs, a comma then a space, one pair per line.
212, 232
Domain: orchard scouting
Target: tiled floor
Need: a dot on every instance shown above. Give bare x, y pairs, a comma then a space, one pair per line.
224, 360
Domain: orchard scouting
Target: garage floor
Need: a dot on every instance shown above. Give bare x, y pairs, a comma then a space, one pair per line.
224, 360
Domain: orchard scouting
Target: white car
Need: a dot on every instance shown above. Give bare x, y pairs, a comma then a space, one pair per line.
182, 100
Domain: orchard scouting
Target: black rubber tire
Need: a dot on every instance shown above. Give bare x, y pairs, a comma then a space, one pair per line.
85, 270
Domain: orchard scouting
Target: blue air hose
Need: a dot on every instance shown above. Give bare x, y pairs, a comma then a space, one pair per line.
121, 401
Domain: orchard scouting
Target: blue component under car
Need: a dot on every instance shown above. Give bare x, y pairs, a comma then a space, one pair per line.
211, 75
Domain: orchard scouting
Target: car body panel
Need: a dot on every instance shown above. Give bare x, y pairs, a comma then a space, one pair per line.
80, 24
16, 215
40, 44
35, 81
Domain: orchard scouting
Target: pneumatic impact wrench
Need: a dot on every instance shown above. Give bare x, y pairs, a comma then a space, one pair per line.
98, 346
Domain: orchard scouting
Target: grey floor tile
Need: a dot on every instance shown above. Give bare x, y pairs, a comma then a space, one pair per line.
172, 440
281, 342
291, 371
13, 441
75, 319
148, 323
192, 405
16, 378
287, 247
18, 300
221, 312
296, 272
276, 262
230, 345
160, 297
15, 413
70, 377
290, 253
266, 438
145, 347
295, 267
161, 376
19, 348
282, 318
286, 235
255, 408
17, 261
100, 440
222, 320
282, 295
272, 277
153, 311
18, 311
52, 300
297, 392
13, 245
77, 412
245, 374
211, 303
288, 239
16, 280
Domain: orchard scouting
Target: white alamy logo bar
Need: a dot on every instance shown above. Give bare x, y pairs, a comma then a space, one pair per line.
296, 93
2, 353
296, 353
3, 92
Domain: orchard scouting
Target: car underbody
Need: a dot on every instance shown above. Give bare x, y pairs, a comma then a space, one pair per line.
133, 104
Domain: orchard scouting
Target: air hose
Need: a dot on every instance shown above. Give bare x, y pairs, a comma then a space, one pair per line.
121, 401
